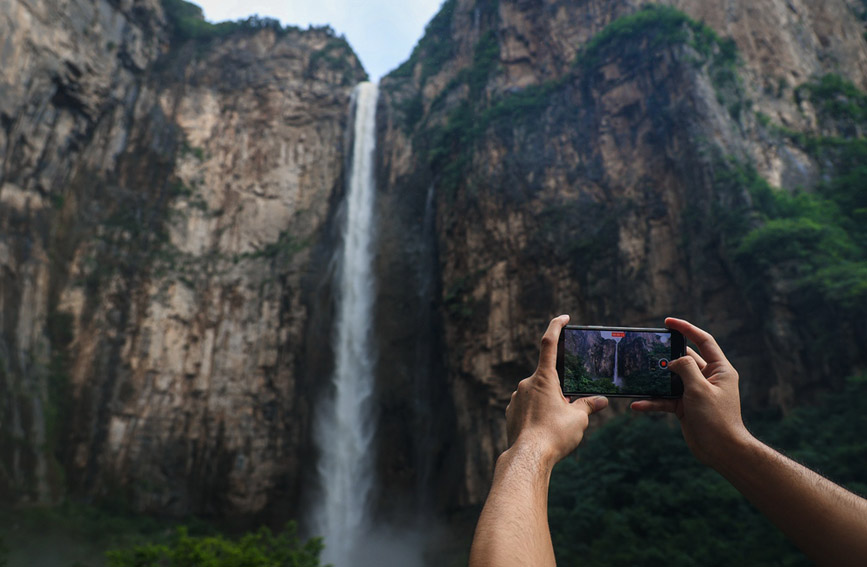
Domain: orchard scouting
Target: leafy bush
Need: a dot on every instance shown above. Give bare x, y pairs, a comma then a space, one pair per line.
838, 98
258, 549
434, 48
817, 239
188, 22
634, 495
662, 26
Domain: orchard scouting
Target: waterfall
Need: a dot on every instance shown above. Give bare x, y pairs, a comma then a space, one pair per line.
344, 422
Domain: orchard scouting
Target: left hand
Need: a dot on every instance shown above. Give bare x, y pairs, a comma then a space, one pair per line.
539, 416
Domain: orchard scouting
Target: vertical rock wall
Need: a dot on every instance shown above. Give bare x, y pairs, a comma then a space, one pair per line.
166, 213
575, 162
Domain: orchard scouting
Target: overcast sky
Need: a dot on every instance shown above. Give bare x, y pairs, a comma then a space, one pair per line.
382, 32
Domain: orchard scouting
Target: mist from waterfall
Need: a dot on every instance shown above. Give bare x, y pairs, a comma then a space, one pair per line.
344, 426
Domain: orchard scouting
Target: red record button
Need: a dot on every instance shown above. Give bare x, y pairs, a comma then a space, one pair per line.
663, 363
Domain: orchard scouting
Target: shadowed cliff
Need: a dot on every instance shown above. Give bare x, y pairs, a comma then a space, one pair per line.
621, 162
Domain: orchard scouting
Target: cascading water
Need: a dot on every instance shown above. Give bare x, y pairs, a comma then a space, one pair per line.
344, 426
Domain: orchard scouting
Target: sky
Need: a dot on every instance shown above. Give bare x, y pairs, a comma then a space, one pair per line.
382, 32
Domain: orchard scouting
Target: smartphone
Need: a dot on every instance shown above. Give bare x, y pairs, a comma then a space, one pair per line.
619, 361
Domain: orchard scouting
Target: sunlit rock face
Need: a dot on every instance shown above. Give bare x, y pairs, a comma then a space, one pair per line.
575, 169
165, 210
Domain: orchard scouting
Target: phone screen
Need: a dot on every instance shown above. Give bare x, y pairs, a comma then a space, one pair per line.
619, 361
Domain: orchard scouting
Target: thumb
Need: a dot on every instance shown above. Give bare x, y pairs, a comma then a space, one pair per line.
687, 368
591, 404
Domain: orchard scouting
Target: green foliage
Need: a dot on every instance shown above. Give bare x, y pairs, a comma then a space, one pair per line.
485, 59
435, 47
838, 98
337, 55
458, 299
258, 549
816, 239
450, 145
286, 244
188, 23
634, 495
577, 379
197, 152
85, 532
661, 26
648, 378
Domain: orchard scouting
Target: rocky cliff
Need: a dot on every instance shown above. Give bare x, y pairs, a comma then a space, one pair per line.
166, 197
606, 159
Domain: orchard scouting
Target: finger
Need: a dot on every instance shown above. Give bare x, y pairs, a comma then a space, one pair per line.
591, 404
669, 406
707, 345
687, 368
548, 352
698, 359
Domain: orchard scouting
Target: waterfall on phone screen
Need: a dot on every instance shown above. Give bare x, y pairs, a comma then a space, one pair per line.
344, 424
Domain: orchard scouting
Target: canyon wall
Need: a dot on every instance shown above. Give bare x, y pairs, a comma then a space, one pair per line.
588, 158
166, 201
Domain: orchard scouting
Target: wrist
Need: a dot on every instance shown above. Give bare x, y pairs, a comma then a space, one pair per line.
531, 451
731, 449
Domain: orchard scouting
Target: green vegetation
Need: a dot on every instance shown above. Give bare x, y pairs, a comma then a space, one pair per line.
188, 22
286, 244
258, 549
79, 533
88, 535
577, 379
434, 48
817, 240
661, 27
657, 27
458, 298
648, 377
636, 496
197, 152
337, 56
836, 97
653, 28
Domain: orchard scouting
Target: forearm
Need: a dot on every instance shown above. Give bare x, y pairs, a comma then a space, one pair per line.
827, 522
513, 527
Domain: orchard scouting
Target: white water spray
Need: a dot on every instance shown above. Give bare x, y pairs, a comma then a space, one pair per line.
344, 426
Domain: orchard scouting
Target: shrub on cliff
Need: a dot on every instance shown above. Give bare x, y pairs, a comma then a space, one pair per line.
187, 21
257, 549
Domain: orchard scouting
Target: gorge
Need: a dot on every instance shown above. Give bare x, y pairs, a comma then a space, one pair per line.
171, 202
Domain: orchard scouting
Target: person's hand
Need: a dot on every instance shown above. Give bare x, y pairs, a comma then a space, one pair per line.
710, 409
539, 416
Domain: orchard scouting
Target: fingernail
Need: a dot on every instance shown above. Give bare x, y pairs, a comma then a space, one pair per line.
600, 402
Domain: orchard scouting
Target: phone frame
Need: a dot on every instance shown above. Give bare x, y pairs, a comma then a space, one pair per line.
678, 344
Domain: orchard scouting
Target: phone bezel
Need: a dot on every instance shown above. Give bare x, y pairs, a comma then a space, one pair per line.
678, 345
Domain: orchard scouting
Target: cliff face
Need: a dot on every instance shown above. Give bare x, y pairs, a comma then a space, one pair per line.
579, 155
166, 209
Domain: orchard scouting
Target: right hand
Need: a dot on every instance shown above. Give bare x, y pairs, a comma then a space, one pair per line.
710, 409
539, 416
